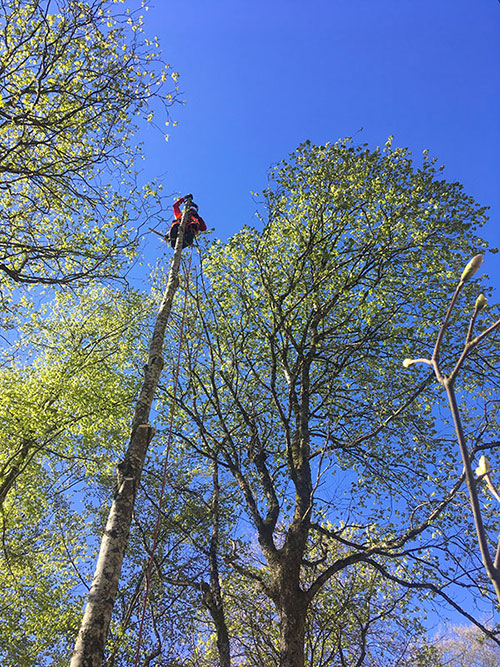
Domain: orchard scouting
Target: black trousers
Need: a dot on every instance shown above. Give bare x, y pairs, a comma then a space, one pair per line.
189, 234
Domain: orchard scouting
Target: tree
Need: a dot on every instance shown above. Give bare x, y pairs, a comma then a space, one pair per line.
63, 417
90, 643
491, 563
458, 646
75, 78
293, 380
465, 646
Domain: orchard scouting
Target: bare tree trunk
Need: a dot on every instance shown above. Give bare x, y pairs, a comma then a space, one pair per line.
223, 642
290, 600
215, 603
292, 629
90, 643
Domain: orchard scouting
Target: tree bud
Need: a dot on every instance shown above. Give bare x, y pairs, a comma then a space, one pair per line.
484, 467
480, 302
471, 268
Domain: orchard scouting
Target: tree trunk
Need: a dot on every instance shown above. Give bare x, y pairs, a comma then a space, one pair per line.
91, 640
89, 647
292, 632
216, 611
290, 600
212, 592
223, 646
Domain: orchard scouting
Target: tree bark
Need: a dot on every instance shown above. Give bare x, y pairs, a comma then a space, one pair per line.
213, 602
292, 612
91, 640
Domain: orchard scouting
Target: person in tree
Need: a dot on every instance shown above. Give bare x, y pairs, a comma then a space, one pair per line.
195, 223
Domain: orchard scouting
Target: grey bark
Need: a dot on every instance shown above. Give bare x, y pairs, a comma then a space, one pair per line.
91, 640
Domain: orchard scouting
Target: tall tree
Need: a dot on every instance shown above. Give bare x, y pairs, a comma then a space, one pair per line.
66, 399
293, 374
75, 78
91, 641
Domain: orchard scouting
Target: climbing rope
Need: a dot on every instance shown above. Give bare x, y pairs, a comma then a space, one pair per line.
165, 465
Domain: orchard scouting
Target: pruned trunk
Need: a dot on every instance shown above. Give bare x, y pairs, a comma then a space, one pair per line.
91, 640
89, 647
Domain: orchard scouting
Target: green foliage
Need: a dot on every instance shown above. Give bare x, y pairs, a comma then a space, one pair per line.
292, 371
76, 78
64, 417
460, 646
331, 283
291, 378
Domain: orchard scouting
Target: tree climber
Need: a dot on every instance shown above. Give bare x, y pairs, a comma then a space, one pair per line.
194, 224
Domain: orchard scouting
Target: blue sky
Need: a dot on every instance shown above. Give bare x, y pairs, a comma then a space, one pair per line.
260, 77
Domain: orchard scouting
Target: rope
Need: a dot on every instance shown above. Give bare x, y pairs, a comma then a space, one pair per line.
165, 467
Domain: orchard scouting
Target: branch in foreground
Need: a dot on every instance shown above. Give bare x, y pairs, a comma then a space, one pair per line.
491, 565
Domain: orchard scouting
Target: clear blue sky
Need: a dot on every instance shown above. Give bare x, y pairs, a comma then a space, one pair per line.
260, 77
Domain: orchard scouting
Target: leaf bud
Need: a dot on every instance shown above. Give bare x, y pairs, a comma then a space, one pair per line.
471, 268
480, 302
484, 467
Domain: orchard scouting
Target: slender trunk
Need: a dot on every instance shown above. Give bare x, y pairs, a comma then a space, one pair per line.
213, 596
90, 643
89, 647
223, 647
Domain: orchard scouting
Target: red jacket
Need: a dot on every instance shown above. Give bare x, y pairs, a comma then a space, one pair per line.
194, 218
